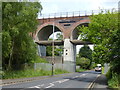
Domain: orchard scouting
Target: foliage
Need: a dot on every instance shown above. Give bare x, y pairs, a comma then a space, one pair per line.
86, 52
80, 70
39, 60
59, 36
93, 65
104, 33
29, 73
59, 71
58, 50
83, 62
19, 20
49, 51
113, 79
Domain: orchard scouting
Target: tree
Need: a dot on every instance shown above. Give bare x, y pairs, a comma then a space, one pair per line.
58, 49
19, 20
83, 62
103, 31
86, 52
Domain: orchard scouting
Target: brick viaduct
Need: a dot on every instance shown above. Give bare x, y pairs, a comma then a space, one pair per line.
66, 25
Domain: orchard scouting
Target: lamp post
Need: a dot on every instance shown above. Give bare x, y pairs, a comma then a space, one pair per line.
53, 51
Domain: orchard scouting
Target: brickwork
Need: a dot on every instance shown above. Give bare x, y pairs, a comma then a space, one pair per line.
65, 24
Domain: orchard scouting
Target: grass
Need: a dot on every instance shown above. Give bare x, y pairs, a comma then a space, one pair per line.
80, 70
102, 70
113, 80
29, 73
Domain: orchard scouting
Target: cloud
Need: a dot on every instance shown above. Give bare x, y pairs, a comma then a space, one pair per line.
73, 1
52, 8
55, 6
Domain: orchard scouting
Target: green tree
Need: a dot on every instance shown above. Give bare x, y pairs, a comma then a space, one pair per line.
18, 21
86, 52
103, 31
59, 36
83, 62
49, 51
58, 50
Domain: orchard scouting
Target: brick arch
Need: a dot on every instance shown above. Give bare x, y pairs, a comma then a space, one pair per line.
73, 28
41, 27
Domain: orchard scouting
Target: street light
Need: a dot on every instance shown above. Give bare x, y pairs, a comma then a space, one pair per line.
53, 51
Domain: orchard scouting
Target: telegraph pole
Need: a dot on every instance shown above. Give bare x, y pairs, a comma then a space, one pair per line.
53, 51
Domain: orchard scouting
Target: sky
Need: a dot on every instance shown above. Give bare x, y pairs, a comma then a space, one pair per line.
57, 6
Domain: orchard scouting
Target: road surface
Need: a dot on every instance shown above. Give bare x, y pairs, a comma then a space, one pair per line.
73, 80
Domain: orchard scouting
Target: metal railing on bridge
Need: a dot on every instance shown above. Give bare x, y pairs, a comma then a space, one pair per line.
75, 13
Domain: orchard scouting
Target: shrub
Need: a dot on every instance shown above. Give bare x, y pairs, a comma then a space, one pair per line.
40, 60
113, 79
83, 62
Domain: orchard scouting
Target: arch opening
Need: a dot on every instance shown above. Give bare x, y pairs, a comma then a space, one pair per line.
45, 37
76, 32
46, 32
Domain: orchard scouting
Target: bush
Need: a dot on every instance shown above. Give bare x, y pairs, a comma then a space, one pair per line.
109, 74
113, 79
83, 62
93, 65
40, 60
114, 82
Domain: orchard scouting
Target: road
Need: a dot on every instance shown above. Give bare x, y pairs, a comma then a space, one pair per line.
73, 80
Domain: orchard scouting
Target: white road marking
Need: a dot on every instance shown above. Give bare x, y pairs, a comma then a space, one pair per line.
79, 76
37, 86
51, 85
64, 80
76, 76
83, 75
92, 84
61, 81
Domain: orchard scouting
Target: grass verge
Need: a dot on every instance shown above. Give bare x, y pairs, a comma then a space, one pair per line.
113, 80
29, 73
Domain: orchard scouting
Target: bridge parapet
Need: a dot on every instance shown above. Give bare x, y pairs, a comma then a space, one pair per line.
74, 13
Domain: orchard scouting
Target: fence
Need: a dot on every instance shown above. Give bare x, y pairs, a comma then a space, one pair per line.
57, 59
75, 13
46, 66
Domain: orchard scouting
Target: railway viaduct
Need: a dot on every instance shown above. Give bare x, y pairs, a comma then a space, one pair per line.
67, 25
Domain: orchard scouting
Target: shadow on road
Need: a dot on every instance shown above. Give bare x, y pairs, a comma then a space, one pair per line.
101, 81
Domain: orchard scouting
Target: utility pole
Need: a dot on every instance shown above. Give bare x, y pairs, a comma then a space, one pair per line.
53, 51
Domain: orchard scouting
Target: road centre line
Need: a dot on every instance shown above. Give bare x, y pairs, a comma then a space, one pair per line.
53, 83
79, 76
92, 84
64, 80
83, 75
